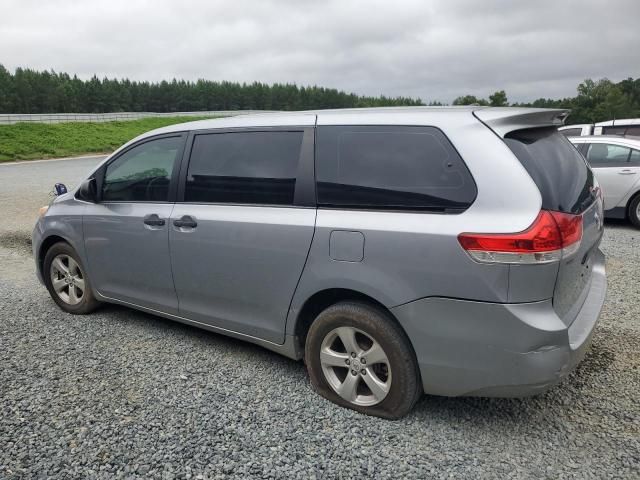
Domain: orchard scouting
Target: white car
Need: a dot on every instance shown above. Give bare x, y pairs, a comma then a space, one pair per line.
621, 126
576, 130
616, 163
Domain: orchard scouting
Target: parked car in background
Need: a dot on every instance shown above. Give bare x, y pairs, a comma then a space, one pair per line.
576, 130
623, 126
615, 161
397, 250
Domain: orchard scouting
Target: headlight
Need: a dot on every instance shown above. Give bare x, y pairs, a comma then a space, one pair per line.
42, 211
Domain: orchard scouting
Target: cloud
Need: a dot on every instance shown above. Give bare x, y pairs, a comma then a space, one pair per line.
431, 50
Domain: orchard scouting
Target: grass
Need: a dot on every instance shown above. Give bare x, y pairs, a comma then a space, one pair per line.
28, 141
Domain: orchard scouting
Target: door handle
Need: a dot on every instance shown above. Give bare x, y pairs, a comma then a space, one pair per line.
626, 171
153, 220
187, 221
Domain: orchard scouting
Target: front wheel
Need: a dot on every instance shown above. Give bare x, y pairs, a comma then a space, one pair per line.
67, 281
358, 357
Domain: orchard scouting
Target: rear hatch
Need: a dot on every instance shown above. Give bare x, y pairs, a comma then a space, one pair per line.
567, 185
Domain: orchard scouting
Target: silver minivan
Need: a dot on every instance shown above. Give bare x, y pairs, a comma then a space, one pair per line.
397, 251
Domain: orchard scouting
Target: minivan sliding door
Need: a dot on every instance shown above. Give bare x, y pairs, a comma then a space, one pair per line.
240, 237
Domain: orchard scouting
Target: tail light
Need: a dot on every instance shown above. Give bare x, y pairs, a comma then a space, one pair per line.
552, 236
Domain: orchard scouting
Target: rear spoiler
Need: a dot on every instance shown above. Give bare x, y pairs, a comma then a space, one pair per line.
503, 120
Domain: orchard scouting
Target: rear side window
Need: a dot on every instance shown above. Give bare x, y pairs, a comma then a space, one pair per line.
614, 130
244, 167
563, 177
571, 132
390, 167
606, 154
633, 130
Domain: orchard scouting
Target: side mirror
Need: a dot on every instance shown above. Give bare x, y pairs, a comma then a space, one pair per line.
88, 191
59, 189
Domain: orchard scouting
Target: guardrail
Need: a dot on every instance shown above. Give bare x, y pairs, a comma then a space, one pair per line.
10, 118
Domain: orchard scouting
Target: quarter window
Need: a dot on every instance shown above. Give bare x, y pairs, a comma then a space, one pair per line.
244, 167
143, 173
390, 167
605, 154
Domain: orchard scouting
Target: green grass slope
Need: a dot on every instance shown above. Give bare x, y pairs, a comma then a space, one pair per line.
27, 141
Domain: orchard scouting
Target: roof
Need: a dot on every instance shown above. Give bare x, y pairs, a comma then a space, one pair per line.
501, 119
619, 122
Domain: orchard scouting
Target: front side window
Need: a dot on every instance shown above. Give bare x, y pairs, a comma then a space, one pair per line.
390, 167
143, 173
244, 168
604, 154
635, 157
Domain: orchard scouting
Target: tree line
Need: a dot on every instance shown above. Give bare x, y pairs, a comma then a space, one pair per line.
31, 91
596, 101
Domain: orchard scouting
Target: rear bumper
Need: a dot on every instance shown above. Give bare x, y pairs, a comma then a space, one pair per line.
505, 350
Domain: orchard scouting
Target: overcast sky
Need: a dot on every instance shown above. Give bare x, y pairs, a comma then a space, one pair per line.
427, 49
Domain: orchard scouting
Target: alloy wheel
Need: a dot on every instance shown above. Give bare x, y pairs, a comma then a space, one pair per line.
356, 366
67, 279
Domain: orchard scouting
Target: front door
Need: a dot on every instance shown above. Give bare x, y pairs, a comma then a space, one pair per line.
126, 233
239, 241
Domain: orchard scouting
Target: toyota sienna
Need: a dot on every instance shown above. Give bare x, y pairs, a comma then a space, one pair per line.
397, 251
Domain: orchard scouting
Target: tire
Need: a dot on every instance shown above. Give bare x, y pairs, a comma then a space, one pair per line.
72, 291
634, 211
393, 373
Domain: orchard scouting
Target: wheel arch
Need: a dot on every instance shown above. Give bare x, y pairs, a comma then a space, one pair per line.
323, 299
44, 247
635, 195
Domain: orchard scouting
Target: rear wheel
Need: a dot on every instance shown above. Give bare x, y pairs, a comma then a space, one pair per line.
358, 357
634, 211
67, 281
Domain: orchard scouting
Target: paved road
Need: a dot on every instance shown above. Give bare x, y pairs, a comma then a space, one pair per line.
122, 394
26, 186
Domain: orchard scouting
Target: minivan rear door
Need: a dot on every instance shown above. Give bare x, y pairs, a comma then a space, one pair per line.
567, 185
240, 235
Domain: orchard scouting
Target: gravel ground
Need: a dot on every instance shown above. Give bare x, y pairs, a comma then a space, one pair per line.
122, 394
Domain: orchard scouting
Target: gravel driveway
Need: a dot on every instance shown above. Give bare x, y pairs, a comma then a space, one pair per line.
124, 394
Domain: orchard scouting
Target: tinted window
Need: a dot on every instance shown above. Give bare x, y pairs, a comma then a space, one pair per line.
244, 167
560, 172
635, 157
571, 132
390, 167
143, 173
603, 154
634, 131
614, 130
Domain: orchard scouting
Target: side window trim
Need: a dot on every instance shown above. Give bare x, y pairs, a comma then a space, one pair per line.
304, 194
101, 172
